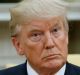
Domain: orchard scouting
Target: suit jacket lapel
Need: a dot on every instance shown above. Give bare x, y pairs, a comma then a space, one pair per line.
22, 70
70, 70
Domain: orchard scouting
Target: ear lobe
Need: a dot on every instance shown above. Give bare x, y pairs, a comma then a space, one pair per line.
17, 45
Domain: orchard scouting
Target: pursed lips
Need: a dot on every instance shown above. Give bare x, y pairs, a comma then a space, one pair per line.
52, 56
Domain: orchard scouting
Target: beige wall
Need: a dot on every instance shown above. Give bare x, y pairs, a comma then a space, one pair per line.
8, 53
74, 59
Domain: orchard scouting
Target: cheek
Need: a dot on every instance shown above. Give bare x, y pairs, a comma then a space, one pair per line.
63, 40
33, 50
63, 44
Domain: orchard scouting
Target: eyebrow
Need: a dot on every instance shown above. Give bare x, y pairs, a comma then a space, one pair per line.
35, 28
57, 24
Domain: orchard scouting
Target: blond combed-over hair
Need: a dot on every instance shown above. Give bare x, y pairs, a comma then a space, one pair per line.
30, 9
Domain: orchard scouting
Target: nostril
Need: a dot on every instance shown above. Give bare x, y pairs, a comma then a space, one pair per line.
49, 47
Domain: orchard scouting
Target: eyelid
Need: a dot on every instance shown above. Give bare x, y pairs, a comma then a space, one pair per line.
55, 27
36, 36
36, 32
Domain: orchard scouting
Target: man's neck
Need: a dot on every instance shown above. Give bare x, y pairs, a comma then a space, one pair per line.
31, 71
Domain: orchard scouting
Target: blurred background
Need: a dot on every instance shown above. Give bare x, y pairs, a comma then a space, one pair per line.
8, 55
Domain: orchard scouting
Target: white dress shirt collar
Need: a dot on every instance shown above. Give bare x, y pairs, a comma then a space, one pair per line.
61, 71
31, 71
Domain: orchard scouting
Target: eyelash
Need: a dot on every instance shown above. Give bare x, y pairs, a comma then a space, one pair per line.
36, 36
55, 30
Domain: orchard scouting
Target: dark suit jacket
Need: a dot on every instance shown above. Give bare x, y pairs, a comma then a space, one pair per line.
21, 70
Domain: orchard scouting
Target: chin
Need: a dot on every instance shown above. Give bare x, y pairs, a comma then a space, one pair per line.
53, 64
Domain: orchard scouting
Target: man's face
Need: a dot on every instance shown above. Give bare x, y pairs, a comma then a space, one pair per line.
44, 43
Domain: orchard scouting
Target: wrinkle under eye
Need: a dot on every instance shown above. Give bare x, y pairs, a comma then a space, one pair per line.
35, 36
56, 30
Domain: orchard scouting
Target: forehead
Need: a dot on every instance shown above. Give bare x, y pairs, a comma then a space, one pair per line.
39, 21
44, 23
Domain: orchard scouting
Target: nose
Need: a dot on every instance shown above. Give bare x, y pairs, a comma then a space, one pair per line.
49, 43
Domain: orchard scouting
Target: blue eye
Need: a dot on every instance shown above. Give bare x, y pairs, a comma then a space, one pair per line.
36, 36
56, 31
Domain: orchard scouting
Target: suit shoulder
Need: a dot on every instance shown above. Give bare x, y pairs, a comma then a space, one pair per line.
74, 66
13, 70
72, 69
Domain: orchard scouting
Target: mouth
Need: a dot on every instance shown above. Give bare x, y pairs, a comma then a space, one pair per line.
50, 57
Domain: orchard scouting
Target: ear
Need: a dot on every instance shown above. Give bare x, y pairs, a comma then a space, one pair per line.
17, 44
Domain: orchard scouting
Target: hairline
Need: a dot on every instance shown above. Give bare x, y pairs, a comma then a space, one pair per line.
18, 27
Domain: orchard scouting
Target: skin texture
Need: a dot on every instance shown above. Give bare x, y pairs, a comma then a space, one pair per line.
44, 43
